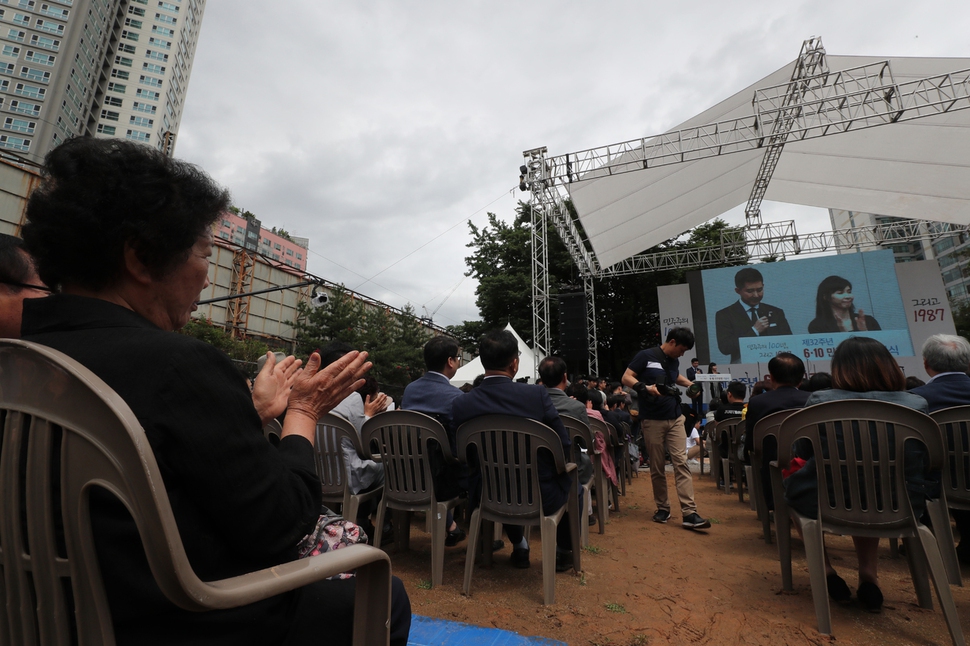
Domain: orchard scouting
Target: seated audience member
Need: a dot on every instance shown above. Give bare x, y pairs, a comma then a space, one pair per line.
433, 394
946, 359
786, 371
552, 371
819, 381
760, 387
356, 408
593, 406
18, 281
694, 441
862, 368
914, 382
734, 407
240, 503
499, 395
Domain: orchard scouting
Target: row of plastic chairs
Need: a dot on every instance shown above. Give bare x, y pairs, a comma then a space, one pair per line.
859, 460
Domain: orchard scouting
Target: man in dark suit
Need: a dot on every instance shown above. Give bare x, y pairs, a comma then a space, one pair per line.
787, 372
697, 404
946, 359
499, 395
748, 317
433, 394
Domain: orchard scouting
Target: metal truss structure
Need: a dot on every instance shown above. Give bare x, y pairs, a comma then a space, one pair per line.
814, 103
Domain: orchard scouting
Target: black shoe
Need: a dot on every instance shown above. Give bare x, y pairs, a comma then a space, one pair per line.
662, 516
564, 560
592, 520
870, 596
963, 552
520, 557
497, 544
694, 521
838, 589
454, 537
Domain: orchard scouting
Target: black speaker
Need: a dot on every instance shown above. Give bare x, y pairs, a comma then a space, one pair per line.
573, 333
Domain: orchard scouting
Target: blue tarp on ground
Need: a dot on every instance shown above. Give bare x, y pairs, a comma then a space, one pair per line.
426, 631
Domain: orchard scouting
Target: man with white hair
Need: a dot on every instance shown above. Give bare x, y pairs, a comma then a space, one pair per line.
946, 359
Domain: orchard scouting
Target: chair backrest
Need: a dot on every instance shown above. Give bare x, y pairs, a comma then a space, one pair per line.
604, 428
579, 434
331, 467
508, 451
955, 426
404, 439
60, 422
767, 427
859, 458
272, 431
729, 427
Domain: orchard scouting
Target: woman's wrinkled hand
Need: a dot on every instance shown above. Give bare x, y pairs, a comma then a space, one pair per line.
271, 388
317, 391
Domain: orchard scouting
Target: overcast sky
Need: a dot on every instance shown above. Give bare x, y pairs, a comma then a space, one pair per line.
379, 128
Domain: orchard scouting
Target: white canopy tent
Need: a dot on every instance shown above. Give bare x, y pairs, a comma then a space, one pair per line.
917, 169
528, 363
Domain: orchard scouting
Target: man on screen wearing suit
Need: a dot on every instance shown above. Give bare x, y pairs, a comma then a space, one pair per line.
946, 359
499, 395
748, 317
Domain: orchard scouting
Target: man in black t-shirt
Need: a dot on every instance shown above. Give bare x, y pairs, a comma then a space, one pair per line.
653, 374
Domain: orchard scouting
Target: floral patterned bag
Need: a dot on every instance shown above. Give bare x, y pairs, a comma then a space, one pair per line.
332, 532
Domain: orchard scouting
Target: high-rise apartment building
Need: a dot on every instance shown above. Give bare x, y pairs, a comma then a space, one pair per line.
950, 250
109, 68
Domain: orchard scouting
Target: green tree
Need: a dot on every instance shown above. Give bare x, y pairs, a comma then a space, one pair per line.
961, 319
339, 320
248, 350
468, 333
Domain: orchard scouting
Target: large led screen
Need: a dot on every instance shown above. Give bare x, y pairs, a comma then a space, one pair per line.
806, 307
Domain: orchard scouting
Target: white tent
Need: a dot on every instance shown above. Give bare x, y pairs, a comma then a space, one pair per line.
528, 361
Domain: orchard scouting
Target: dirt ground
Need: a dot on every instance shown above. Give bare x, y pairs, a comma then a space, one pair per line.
647, 583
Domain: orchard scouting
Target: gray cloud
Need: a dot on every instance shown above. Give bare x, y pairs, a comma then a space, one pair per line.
372, 127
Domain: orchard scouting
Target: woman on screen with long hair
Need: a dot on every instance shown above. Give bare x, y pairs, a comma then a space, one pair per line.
835, 312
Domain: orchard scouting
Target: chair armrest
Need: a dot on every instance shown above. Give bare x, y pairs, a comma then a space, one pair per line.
371, 563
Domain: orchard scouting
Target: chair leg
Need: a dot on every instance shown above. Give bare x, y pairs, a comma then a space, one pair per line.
587, 505
378, 522
815, 554
739, 476
473, 531
749, 478
782, 529
726, 474
940, 518
489, 528
438, 533
919, 571
931, 550
577, 522
602, 508
402, 536
548, 532
616, 496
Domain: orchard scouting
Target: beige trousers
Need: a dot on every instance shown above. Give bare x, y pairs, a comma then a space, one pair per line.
669, 433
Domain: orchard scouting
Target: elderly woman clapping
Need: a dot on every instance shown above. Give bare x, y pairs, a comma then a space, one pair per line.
125, 233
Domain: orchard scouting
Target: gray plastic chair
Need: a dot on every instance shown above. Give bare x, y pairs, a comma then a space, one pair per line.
332, 430
765, 428
580, 436
508, 449
272, 431
405, 440
55, 411
955, 426
862, 491
714, 451
609, 432
728, 427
